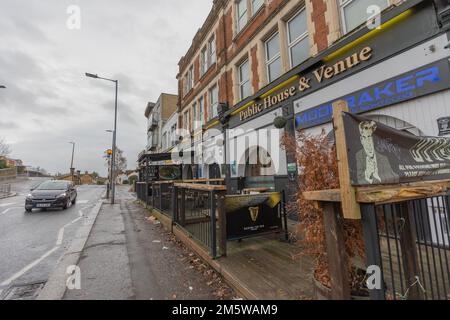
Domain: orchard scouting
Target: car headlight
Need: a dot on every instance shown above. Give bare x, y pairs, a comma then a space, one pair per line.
62, 195
29, 196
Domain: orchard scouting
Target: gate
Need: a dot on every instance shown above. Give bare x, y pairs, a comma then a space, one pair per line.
410, 242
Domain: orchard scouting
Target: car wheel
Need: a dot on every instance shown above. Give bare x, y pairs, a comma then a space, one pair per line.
66, 205
28, 210
74, 200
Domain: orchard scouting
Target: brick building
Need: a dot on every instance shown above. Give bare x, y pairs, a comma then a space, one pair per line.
268, 59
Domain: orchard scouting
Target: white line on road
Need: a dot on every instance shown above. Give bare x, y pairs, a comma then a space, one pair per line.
7, 204
27, 268
9, 209
82, 201
61, 231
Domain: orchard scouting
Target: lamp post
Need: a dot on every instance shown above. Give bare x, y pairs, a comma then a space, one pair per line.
113, 161
72, 169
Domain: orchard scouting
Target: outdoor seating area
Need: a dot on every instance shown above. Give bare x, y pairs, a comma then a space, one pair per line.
249, 262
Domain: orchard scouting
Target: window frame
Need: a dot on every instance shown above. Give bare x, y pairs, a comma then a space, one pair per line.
241, 83
211, 114
204, 63
186, 122
211, 55
268, 61
240, 27
344, 3
292, 43
201, 110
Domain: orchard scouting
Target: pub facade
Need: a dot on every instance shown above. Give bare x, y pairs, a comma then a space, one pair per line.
258, 70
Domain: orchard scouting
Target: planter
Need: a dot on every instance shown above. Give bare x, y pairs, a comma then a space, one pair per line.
324, 293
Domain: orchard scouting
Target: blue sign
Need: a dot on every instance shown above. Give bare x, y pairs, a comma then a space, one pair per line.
420, 82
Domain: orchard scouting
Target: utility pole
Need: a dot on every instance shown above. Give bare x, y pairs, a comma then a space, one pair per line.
72, 169
113, 160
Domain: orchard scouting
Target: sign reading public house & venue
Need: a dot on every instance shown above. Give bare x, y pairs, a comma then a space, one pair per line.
320, 75
379, 154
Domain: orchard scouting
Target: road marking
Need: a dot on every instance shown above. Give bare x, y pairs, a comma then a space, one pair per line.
27, 268
82, 201
9, 209
61, 231
7, 204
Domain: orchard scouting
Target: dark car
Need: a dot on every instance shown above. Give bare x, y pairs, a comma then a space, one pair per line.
51, 194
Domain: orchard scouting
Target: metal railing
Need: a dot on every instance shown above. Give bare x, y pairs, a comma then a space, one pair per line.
410, 242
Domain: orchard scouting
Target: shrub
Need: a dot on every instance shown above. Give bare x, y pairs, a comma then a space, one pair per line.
317, 162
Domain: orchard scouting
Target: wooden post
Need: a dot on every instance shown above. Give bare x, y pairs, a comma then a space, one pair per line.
337, 259
409, 252
222, 224
350, 208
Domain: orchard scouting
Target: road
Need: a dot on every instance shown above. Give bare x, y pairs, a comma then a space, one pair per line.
32, 243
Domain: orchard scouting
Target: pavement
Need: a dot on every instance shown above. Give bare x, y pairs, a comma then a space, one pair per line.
129, 256
31, 245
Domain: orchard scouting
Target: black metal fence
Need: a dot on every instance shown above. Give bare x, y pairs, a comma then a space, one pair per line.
410, 242
196, 209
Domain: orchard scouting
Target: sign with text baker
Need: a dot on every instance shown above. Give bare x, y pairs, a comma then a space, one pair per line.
379, 154
251, 215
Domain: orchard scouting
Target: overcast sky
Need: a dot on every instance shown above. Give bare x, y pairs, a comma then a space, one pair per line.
50, 102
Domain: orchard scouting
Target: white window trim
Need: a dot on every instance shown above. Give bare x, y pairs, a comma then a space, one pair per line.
342, 5
241, 82
204, 63
210, 54
293, 43
201, 110
276, 57
239, 28
211, 105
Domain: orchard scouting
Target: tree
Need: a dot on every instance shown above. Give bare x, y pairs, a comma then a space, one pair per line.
121, 161
5, 149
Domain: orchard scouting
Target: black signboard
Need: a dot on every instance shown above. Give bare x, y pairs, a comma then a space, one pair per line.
379, 154
444, 126
251, 215
422, 81
164, 172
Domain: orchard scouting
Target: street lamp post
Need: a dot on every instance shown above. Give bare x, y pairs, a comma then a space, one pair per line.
113, 161
72, 169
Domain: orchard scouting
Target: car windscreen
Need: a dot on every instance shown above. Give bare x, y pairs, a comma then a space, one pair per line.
52, 185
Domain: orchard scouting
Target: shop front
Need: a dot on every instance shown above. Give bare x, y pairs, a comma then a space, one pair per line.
398, 74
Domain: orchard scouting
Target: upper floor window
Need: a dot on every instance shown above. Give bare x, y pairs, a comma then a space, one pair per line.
195, 115
298, 43
245, 9
242, 14
214, 102
173, 130
244, 79
201, 112
256, 4
204, 61
211, 51
273, 57
355, 12
189, 80
186, 125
